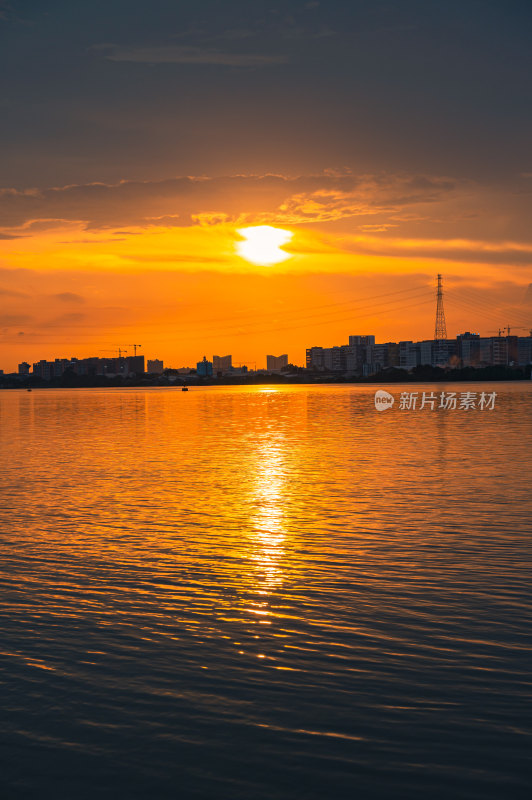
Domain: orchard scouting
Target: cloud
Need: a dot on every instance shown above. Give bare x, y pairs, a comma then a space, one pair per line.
182, 54
63, 319
11, 320
176, 258
69, 297
459, 250
12, 293
371, 195
386, 214
240, 199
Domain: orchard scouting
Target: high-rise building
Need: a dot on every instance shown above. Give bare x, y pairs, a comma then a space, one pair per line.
409, 354
222, 364
468, 349
314, 358
135, 365
332, 359
204, 368
155, 366
361, 340
24, 368
43, 369
349, 358
360, 352
524, 350
493, 351
276, 363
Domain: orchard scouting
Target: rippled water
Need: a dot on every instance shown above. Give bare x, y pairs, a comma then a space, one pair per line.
272, 594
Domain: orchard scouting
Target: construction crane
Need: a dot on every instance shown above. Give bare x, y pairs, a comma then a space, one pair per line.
118, 350
134, 346
509, 328
518, 328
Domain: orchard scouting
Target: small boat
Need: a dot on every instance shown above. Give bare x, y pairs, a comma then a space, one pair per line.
29, 390
184, 389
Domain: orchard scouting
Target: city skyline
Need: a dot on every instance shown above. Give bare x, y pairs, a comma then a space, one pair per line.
418, 297
362, 355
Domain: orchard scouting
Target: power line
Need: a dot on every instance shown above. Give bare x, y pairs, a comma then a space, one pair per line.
490, 316
314, 317
322, 323
485, 310
256, 314
508, 308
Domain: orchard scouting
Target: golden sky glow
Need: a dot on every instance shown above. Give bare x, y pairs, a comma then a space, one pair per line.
275, 267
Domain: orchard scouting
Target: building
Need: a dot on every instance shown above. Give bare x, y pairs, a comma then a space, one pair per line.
360, 353
204, 368
409, 355
135, 365
331, 359
512, 343
499, 350
131, 365
427, 351
377, 357
314, 358
468, 349
155, 366
24, 368
362, 356
51, 369
361, 340
493, 351
276, 363
524, 350
43, 369
350, 358
222, 364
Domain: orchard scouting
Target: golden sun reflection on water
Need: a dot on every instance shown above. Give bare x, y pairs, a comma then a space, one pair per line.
268, 524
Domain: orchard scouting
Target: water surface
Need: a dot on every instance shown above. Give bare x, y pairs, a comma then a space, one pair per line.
264, 593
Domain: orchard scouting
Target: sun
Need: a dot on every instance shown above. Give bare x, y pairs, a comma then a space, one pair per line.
263, 244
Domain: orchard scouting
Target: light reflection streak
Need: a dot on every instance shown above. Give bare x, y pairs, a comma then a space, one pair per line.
268, 525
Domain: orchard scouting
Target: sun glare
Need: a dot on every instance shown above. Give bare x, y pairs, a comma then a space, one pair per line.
263, 244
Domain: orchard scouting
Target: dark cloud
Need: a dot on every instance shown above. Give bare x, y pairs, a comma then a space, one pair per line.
12, 320
185, 201
12, 293
176, 54
431, 88
69, 297
472, 252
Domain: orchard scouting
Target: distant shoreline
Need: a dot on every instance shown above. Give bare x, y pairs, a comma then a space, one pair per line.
421, 375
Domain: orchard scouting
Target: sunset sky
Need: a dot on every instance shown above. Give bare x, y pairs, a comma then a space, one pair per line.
389, 140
